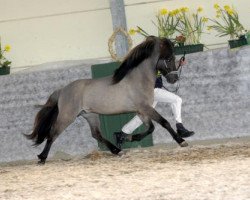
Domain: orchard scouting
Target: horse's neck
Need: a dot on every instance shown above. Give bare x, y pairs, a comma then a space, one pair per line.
144, 74
149, 71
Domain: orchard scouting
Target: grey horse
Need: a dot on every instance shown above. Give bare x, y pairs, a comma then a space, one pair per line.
130, 89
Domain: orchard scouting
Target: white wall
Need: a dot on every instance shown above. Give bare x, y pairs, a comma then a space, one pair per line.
142, 15
52, 30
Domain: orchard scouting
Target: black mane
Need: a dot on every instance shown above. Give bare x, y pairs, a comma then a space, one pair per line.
134, 58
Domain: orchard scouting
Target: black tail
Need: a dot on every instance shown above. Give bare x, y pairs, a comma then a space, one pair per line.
44, 120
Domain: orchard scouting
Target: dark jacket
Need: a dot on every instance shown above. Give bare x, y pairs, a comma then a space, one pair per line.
158, 81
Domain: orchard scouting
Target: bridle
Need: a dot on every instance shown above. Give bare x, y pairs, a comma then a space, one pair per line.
177, 72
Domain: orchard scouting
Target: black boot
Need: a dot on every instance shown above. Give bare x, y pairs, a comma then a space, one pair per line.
120, 138
182, 131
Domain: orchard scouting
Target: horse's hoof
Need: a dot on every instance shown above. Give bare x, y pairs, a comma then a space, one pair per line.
183, 144
41, 162
115, 150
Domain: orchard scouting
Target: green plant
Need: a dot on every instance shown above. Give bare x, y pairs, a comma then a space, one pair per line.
177, 24
3, 61
227, 22
139, 30
167, 23
191, 25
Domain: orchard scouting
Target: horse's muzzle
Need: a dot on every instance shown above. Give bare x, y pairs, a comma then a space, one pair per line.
172, 77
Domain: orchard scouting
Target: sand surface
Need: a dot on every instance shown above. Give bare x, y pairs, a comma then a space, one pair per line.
208, 171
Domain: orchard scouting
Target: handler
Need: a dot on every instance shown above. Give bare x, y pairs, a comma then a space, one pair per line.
160, 95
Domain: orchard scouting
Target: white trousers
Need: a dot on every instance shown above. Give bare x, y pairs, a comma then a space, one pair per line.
160, 95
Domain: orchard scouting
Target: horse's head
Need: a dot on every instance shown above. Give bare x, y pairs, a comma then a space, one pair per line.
152, 48
166, 63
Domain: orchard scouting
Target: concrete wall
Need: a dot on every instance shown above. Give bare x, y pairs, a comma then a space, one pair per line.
215, 87
47, 31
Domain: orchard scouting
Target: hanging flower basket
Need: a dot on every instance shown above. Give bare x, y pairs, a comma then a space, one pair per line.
237, 43
180, 50
4, 70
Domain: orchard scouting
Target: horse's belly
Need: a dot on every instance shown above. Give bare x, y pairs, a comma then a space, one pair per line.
104, 105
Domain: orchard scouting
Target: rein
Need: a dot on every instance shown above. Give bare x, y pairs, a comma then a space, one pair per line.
178, 72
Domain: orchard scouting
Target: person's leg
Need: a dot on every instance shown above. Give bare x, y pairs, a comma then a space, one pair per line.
175, 101
162, 95
128, 129
134, 123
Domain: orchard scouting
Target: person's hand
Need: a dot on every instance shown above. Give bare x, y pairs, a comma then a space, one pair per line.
183, 62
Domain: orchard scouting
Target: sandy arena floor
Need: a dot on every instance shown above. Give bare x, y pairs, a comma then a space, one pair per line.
211, 171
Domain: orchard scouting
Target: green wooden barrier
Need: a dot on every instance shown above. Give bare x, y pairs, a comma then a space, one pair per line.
114, 123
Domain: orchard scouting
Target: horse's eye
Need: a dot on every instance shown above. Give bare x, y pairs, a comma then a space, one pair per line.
169, 59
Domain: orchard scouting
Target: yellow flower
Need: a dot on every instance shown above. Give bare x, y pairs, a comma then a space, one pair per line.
7, 48
216, 6
171, 13
176, 11
200, 9
227, 7
184, 9
230, 11
132, 31
204, 19
163, 11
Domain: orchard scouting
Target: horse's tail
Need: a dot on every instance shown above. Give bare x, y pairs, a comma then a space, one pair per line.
45, 119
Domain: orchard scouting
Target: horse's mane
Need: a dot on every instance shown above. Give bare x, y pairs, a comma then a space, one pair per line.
134, 58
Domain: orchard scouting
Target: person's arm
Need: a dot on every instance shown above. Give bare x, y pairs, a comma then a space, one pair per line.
180, 63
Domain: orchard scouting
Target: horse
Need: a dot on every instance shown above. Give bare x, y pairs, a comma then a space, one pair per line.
129, 89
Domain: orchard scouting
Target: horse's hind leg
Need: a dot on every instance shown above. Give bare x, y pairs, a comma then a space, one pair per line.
62, 122
42, 156
94, 123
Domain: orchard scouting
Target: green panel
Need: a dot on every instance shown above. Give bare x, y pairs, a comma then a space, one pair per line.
114, 123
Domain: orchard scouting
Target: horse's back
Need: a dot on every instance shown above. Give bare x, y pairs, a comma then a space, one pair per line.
102, 96
96, 95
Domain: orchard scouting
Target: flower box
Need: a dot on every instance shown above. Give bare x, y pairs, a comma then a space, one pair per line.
188, 49
248, 37
4, 70
237, 43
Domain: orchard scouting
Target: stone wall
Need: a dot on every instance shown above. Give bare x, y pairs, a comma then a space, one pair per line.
215, 88
19, 93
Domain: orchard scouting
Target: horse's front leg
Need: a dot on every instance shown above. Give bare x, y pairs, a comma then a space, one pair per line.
154, 115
